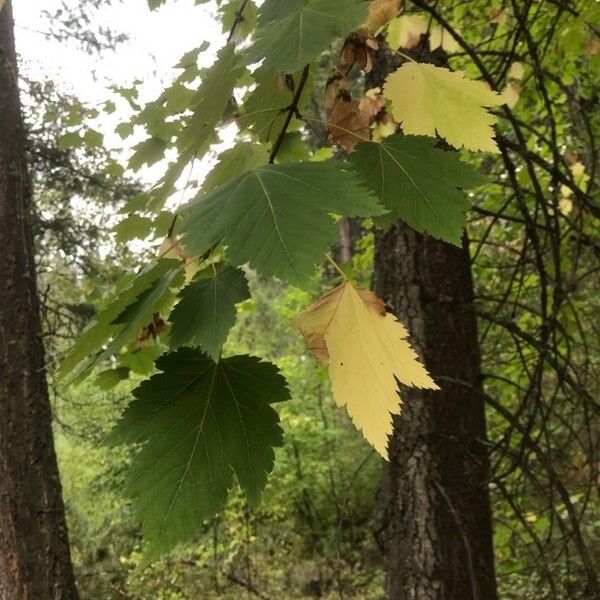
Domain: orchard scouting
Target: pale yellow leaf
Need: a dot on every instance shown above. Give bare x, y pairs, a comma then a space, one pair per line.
427, 100
2, 2
439, 37
565, 205
365, 349
405, 31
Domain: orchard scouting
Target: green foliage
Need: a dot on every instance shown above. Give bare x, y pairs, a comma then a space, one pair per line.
243, 157
269, 208
199, 422
122, 318
276, 217
265, 106
418, 183
206, 310
288, 41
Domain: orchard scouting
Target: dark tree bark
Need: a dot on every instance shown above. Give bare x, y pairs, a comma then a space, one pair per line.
434, 522
34, 552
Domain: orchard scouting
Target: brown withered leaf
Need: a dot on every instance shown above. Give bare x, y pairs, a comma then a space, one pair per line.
347, 124
358, 50
284, 81
152, 330
318, 347
381, 12
336, 84
372, 103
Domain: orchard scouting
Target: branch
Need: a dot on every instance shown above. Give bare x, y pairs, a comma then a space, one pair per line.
292, 109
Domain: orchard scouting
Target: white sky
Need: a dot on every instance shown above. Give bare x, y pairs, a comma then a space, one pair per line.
157, 40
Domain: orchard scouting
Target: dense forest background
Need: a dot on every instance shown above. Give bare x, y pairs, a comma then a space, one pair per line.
533, 242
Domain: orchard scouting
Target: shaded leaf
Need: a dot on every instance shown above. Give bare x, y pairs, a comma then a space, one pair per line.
418, 183
277, 217
200, 424
297, 36
206, 310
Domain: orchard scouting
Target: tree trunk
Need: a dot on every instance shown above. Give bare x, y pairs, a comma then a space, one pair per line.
34, 553
434, 521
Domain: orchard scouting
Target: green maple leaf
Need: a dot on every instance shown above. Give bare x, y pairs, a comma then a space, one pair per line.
265, 108
206, 309
277, 217
243, 157
200, 424
151, 285
291, 39
418, 183
274, 10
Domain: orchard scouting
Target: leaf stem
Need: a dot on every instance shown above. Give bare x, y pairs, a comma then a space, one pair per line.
336, 266
292, 109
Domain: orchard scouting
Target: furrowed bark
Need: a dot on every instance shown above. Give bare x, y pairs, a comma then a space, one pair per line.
34, 552
434, 519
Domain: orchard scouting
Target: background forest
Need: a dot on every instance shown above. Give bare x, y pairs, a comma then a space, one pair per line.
533, 242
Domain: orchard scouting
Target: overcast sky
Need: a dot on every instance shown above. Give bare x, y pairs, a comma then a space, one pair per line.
157, 41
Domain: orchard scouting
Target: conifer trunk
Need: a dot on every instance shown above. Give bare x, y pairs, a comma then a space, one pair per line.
34, 553
434, 520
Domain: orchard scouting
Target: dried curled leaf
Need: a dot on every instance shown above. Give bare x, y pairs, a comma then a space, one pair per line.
336, 84
372, 103
347, 124
366, 350
381, 12
358, 50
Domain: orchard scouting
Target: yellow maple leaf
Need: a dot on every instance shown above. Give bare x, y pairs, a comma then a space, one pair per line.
427, 99
366, 350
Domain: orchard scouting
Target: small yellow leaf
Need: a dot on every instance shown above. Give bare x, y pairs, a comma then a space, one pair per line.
499, 16
366, 350
384, 128
580, 178
405, 31
592, 47
579, 175
171, 248
427, 100
511, 94
516, 71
